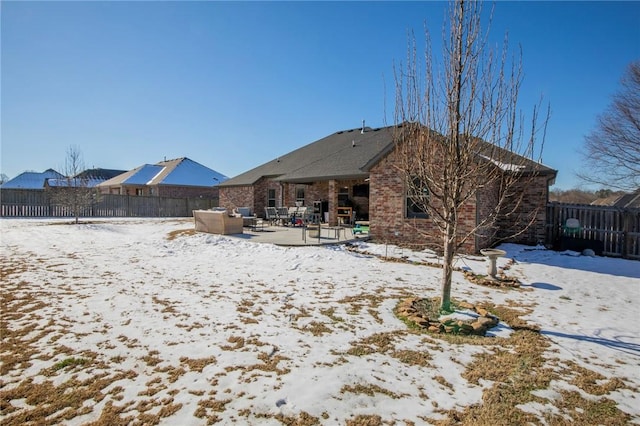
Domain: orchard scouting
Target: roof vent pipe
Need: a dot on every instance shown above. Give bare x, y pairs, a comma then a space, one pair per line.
362, 131
353, 143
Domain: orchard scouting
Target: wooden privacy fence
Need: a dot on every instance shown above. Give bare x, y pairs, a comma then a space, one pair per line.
37, 203
618, 229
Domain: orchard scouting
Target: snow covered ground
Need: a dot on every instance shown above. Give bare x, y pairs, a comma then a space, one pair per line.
193, 328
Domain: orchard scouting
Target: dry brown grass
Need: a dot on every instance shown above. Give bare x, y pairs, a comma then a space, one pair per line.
317, 328
369, 389
180, 233
73, 382
207, 409
198, 364
365, 420
518, 366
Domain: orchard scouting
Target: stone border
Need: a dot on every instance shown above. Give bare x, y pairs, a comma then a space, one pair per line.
409, 310
501, 280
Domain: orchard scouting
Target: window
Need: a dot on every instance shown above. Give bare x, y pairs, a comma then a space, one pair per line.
271, 197
417, 199
361, 190
343, 197
300, 195
139, 191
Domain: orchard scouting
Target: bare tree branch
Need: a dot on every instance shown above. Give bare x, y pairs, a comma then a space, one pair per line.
612, 149
444, 123
73, 191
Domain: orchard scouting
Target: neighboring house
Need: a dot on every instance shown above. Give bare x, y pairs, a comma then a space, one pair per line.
356, 171
89, 178
31, 180
180, 177
623, 201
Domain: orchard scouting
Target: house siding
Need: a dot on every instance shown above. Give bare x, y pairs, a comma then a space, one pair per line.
389, 224
386, 209
387, 213
532, 210
236, 196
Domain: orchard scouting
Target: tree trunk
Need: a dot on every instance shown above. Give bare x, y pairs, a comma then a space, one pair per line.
447, 267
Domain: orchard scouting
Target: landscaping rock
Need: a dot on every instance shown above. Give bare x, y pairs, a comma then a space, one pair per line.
482, 311
413, 310
466, 305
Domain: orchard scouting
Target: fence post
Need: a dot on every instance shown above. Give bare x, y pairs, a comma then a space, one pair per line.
552, 223
626, 237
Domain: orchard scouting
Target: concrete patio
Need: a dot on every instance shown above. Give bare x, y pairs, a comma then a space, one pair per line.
299, 236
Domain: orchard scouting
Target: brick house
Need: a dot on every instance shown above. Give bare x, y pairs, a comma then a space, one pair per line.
355, 173
180, 178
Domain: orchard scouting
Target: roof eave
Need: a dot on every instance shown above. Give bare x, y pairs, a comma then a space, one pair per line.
312, 179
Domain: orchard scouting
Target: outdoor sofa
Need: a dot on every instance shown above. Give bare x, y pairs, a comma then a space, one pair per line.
217, 222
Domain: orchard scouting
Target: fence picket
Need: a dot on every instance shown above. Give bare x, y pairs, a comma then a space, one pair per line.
37, 203
618, 229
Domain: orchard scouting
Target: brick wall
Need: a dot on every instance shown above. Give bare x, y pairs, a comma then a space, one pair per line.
387, 213
532, 208
232, 197
486, 199
388, 221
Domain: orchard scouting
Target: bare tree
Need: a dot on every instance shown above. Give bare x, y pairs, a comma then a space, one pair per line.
446, 118
3, 178
73, 192
612, 149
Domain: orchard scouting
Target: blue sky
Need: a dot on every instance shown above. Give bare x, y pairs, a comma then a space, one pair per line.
232, 85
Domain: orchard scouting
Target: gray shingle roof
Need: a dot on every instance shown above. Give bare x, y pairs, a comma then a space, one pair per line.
341, 155
344, 154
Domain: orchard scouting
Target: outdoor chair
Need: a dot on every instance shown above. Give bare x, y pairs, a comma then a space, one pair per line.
271, 215
297, 215
282, 215
248, 219
571, 227
362, 226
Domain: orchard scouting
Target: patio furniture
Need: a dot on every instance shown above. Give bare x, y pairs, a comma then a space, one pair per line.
283, 213
571, 227
345, 215
271, 215
297, 215
256, 224
247, 216
362, 226
217, 222
336, 231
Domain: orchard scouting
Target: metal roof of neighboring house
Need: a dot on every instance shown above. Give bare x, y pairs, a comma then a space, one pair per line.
31, 180
100, 174
87, 179
180, 172
75, 182
342, 155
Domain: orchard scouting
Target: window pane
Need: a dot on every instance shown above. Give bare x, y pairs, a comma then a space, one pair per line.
300, 195
271, 197
417, 199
